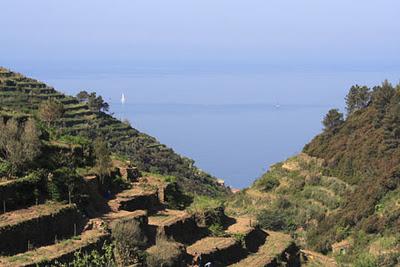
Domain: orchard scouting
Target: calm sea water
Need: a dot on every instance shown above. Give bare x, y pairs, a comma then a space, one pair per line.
234, 123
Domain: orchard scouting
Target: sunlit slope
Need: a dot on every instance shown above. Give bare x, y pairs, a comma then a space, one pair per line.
21, 96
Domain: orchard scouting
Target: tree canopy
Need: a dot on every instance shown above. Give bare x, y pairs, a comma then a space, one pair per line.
332, 120
95, 103
19, 144
357, 98
50, 110
103, 159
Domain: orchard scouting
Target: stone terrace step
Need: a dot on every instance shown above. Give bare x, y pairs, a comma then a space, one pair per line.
36, 226
278, 247
175, 224
113, 217
60, 252
137, 198
253, 237
221, 251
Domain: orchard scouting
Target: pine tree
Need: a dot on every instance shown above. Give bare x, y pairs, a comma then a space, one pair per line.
381, 97
357, 98
332, 120
391, 123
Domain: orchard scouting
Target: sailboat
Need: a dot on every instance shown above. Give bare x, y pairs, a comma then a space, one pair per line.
123, 99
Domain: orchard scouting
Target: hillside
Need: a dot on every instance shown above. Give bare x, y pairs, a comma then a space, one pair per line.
80, 188
21, 97
341, 193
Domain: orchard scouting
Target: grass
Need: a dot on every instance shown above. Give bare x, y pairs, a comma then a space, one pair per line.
163, 178
205, 203
295, 188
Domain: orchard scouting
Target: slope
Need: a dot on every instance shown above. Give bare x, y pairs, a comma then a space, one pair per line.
21, 96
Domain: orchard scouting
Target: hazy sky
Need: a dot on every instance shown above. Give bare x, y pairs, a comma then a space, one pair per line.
299, 51
312, 32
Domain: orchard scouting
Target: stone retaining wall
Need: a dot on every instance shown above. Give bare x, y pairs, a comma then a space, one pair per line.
39, 231
148, 202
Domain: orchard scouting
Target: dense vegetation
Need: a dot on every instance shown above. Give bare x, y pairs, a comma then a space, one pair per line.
363, 151
344, 187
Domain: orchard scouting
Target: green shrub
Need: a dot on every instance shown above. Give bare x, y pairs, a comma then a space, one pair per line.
65, 184
205, 203
272, 220
365, 260
5, 168
102, 258
268, 182
217, 230
74, 140
175, 197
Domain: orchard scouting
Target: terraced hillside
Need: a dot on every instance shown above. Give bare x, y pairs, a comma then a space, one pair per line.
340, 197
21, 96
54, 233
295, 191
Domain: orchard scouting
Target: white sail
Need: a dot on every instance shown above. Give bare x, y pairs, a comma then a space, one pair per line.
123, 99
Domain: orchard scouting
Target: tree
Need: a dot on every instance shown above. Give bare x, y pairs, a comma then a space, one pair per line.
332, 120
19, 144
82, 96
30, 140
357, 98
65, 184
391, 123
103, 158
50, 110
381, 97
95, 103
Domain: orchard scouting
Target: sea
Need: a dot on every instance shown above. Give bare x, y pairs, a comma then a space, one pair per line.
235, 121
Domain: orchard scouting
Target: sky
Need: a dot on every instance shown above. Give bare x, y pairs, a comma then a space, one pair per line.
280, 33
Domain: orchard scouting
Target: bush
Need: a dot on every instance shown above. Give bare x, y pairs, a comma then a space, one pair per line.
129, 240
268, 182
217, 230
5, 168
272, 220
175, 197
313, 179
365, 260
165, 253
75, 140
65, 184
102, 258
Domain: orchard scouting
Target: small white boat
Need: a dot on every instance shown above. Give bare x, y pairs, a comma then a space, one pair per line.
123, 99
